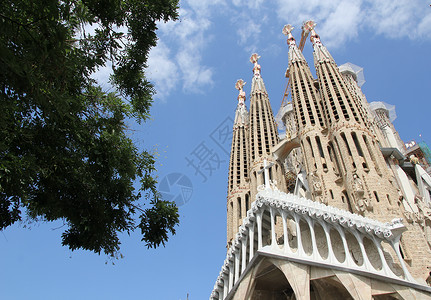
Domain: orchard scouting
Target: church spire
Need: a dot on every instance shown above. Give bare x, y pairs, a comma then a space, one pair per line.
365, 176
263, 132
238, 195
294, 53
320, 52
305, 97
257, 81
340, 105
241, 114
309, 123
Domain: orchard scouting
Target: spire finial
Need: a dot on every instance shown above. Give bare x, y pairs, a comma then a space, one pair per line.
287, 30
239, 86
256, 69
309, 26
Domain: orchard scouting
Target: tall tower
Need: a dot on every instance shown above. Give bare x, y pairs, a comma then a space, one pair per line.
368, 185
263, 133
238, 197
341, 235
318, 154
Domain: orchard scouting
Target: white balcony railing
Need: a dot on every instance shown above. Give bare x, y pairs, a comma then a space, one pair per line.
291, 227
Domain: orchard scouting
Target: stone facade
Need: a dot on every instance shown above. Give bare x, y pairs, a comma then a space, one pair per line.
238, 199
253, 140
347, 158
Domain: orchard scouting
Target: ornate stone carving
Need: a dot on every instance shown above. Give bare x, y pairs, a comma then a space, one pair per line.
423, 215
414, 160
358, 186
239, 86
423, 208
287, 29
329, 217
316, 183
256, 69
273, 184
363, 205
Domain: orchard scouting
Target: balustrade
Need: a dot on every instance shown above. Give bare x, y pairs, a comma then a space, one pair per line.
352, 253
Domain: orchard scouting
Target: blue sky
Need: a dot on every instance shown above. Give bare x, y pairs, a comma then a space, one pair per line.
195, 67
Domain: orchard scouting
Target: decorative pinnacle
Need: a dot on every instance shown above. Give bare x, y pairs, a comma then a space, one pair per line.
254, 58
239, 85
256, 69
308, 26
287, 29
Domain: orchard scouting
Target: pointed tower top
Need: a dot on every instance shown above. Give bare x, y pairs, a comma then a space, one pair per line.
294, 53
320, 52
287, 30
309, 26
256, 69
241, 114
257, 81
239, 86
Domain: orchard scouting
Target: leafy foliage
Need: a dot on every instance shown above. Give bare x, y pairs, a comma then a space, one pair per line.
64, 149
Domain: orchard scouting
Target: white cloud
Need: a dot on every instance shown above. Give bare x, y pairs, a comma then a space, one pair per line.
162, 71
341, 20
248, 19
251, 4
346, 14
254, 22
248, 32
195, 75
187, 38
392, 18
424, 27
203, 7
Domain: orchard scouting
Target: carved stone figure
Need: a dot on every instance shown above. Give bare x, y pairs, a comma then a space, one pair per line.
423, 208
414, 160
358, 187
316, 183
273, 185
364, 205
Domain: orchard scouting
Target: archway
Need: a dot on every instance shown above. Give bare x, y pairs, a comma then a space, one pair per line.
271, 284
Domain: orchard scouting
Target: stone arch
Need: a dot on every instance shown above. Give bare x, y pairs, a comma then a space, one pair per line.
321, 241
337, 245
270, 283
392, 296
328, 288
354, 249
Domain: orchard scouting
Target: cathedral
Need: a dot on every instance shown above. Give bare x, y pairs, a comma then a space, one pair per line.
335, 207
